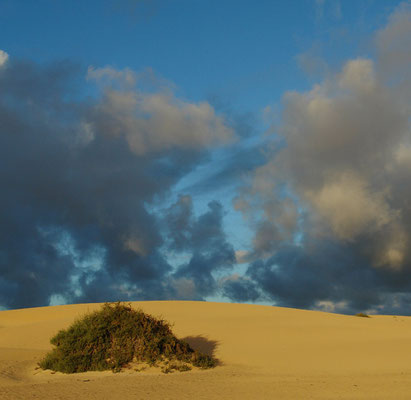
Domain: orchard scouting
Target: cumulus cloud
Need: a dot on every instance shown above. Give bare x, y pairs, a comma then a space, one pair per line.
153, 122
340, 184
394, 44
349, 207
3, 58
77, 179
108, 74
239, 288
342, 138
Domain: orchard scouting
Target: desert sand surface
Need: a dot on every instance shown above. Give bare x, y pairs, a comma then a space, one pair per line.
265, 353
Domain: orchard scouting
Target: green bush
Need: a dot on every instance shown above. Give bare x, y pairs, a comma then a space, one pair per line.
361, 314
116, 336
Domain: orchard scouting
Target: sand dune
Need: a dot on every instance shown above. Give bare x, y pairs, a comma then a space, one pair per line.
265, 353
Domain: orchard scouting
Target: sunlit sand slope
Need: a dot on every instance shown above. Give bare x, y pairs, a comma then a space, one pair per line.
265, 353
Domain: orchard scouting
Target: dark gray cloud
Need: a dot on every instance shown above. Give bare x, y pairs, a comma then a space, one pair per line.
77, 174
205, 245
331, 277
324, 275
240, 289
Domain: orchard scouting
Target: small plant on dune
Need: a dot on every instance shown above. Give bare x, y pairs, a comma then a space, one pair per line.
361, 314
117, 335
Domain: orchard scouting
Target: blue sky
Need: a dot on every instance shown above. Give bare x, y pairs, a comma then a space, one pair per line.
243, 53
206, 150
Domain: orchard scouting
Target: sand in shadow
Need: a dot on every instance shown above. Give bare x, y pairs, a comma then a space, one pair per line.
203, 345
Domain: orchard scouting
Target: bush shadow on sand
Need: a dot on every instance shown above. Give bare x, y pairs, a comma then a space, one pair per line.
204, 345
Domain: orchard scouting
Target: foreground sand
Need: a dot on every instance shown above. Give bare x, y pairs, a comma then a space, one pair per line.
266, 353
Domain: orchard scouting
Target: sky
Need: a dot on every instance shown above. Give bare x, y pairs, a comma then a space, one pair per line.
233, 151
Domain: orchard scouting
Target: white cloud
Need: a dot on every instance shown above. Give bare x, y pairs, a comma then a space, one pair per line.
109, 74
156, 120
330, 306
358, 75
394, 41
3, 58
350, 208
346, 163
